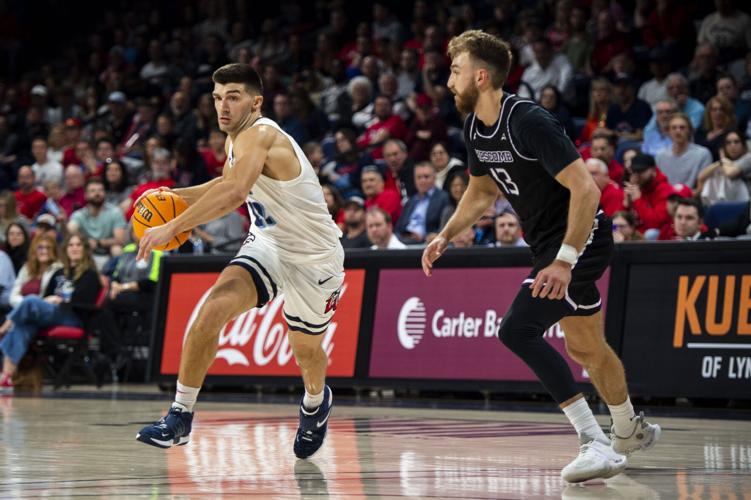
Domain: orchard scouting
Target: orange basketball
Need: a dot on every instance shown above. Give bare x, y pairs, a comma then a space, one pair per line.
157, 209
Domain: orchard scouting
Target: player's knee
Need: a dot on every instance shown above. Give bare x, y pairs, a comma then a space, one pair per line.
305, 352
513, 334
588, 353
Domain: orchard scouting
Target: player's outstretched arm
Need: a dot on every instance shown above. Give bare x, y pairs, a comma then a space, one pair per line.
480, 194
225, 195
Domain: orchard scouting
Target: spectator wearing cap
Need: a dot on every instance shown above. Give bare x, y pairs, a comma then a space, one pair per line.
74, 198
508, 231
677, 87
628, 116
100, 222
548, 68
654, 90
684, 160
38, 99
29, 199
373, 187
658, 138
420, 220
47, 224
646, 195
386, 126
117, 122
355, 235
45, 169
381, 231
427, 128
611, 198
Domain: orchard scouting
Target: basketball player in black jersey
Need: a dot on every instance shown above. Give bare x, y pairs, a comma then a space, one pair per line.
518, 147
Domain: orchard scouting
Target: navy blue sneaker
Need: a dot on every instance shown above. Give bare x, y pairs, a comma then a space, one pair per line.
313, 425
173, 429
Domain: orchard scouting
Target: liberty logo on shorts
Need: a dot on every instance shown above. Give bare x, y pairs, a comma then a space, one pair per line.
333, 301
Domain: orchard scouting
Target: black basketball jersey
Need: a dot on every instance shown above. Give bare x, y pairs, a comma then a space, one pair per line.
523, 152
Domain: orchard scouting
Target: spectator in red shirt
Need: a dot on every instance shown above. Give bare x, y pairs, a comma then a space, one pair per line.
603, 148
161, 175
386, 126
609, 43
28, 198
427, 129
611, 199
647, 192
373, 187
214, 156
73, 133
73, 199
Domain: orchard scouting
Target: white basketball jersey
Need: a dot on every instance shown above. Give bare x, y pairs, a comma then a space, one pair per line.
292, 214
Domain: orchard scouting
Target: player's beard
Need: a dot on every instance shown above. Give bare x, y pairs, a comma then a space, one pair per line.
467, 100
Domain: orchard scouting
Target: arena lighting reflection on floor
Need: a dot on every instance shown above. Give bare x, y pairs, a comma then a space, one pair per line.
82, 447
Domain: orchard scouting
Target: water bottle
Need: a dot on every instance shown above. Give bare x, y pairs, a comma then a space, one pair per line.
66, 291
197, 244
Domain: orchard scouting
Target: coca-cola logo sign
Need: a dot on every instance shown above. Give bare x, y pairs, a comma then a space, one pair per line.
255, 343
263, 328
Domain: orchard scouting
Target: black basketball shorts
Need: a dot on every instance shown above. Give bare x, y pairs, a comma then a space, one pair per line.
582, 297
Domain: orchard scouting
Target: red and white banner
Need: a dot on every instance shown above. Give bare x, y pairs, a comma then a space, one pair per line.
255, 343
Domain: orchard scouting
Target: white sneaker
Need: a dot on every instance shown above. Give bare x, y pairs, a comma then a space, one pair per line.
642, 437
595, 460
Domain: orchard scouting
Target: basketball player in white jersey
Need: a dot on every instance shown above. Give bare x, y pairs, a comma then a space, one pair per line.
292, 248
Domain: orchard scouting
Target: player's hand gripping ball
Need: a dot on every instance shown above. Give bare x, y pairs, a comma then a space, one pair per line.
157, 209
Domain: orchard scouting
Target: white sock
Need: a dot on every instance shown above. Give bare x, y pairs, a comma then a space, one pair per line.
622, 415
185, 397
312, 401
583, 420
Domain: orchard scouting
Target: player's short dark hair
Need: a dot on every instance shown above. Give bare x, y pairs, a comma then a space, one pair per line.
691, 202
488, 50
239, 73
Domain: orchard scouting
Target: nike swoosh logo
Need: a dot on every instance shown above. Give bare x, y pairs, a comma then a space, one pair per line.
321, 282
322, 422
163, 443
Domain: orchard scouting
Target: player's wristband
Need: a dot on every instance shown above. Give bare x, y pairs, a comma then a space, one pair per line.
567, 254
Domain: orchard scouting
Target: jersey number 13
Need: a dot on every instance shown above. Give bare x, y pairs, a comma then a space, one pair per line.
504, 179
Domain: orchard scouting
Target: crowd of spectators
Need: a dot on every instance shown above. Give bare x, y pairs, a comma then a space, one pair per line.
656, 96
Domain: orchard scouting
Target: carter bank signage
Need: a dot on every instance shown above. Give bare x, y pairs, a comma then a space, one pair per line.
445, 326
